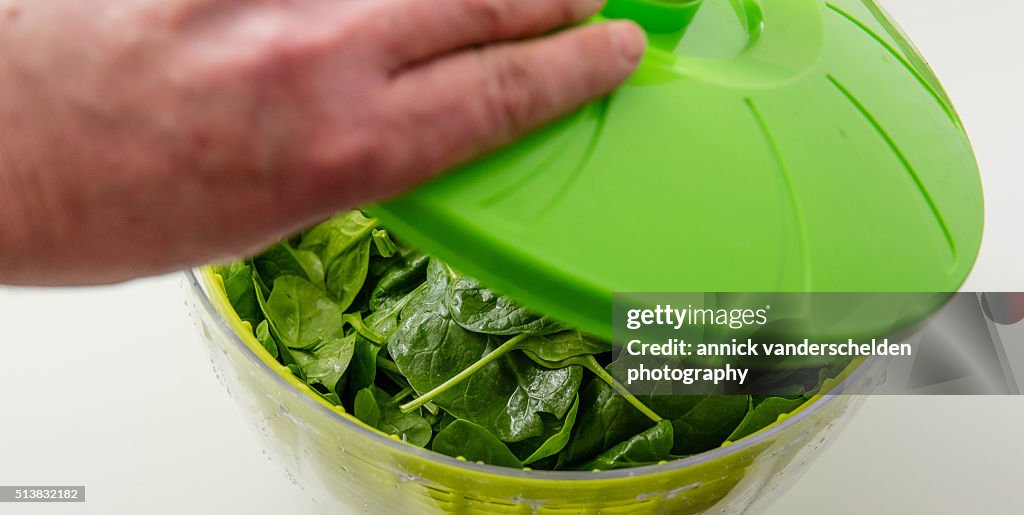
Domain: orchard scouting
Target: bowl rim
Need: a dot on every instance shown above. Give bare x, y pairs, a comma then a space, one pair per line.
817, 403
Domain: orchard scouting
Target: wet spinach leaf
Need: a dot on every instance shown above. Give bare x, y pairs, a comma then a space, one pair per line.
556, 436
605, 419
399, 280
241, 293
265, 338
301, 316
700, 423
647, 448
327, 362
563, 345
343, 246
281, 260
474, 443
368, 344
763, 412
375, 407
480, 310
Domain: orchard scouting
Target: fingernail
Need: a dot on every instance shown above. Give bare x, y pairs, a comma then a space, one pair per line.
629, 39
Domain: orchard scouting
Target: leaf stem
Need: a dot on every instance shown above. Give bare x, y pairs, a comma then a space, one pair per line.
407, 391
388, 365
591, 364
356, 321
504, 349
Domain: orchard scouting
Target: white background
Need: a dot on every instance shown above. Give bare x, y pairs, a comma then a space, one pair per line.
109, 387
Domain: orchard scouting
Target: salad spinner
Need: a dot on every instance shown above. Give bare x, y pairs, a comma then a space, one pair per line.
762, 145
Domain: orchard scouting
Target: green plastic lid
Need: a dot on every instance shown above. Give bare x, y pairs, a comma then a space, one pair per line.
763, 145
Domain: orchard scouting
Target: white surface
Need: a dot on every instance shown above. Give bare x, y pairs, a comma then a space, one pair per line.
110, 388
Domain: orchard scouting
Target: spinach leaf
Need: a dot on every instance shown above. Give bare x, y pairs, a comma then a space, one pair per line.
474, 443
384, 322
281, 260
375, 407
605, 419
480, 310
326, 364
590, 363
700, 423
359, 325
286, 358
556, 436
563, 345
297, 372
440, 420
368, 344
650, 447
301, 316
763, 412
365, 407
399, 280
330, 397
265, 338
343, 246
258, 283
241, 292
345, 278
364, 363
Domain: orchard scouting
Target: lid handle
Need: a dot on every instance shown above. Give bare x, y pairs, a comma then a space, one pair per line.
656, 16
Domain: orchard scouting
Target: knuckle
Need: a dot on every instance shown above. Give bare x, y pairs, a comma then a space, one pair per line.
490, 15
569, 11
284, 50
291, 71
513, 94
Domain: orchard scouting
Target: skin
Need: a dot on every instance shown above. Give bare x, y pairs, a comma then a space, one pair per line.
144, 136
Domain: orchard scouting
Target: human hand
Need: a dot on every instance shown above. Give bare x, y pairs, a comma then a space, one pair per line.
143, 136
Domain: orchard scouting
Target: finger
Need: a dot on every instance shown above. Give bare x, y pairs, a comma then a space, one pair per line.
461, 106
414, 30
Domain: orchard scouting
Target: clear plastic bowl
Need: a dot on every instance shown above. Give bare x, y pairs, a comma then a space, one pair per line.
348, 467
